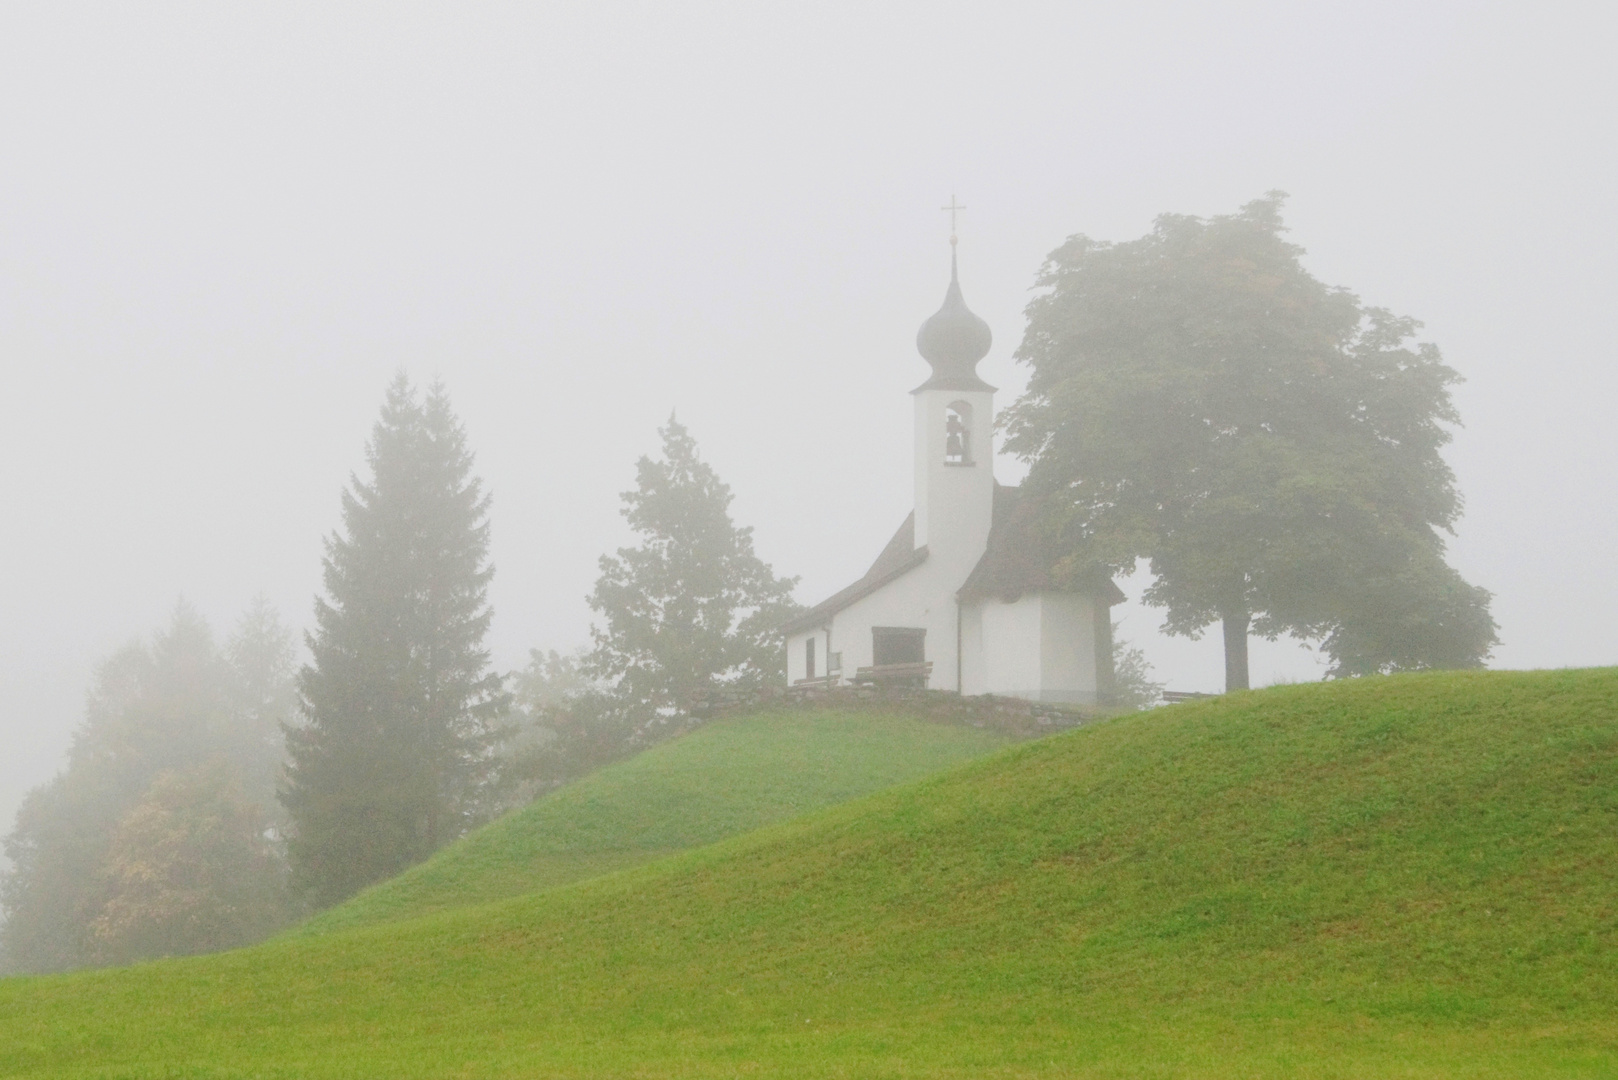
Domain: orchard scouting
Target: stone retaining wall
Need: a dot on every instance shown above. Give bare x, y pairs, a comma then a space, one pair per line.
1015, 716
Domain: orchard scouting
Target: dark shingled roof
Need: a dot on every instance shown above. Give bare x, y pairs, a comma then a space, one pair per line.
1022, 556
897, 559
1019, 560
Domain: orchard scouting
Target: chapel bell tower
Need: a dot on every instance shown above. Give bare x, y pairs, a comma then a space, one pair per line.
954, 442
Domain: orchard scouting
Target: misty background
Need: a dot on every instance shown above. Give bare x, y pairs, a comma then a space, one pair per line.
223, 230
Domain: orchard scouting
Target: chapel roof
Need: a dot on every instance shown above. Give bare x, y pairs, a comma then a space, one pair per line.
897, 559
1023, 557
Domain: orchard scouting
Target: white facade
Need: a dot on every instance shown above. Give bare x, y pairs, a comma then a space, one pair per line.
954, 497
1046, 646
1041, 643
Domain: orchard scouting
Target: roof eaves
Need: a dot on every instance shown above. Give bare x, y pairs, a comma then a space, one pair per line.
865, 586
1018, 561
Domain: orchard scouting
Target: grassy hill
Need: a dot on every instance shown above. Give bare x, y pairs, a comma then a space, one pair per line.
727, 777
1406, 877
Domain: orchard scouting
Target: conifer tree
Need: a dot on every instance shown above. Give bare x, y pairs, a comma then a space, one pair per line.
264, 699
399, 705
692, 607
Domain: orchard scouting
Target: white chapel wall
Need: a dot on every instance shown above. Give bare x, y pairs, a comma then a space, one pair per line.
1011, 647
1067, 648
972, 673
954, 503
917, 599
1042, 647
921, 598
795, 656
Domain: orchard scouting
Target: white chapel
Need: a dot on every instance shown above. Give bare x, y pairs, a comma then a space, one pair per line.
963, 597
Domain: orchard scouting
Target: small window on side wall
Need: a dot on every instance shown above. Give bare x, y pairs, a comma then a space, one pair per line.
898, 645
809, 658
958, 434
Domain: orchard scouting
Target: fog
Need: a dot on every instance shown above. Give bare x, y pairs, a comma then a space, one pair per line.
223, 228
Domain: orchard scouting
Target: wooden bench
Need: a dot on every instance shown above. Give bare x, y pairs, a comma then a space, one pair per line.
915, 674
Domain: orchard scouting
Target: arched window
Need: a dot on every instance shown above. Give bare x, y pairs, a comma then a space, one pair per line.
958, 434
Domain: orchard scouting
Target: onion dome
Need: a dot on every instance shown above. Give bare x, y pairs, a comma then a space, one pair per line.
953, 340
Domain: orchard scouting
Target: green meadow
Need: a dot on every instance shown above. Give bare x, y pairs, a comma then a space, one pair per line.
1413, 876
725, 778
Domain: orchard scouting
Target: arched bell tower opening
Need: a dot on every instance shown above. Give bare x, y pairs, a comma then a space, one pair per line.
958, 433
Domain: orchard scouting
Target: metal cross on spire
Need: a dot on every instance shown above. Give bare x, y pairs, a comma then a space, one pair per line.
953, 208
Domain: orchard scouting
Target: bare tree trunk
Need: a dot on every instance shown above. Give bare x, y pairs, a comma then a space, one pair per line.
1236, 651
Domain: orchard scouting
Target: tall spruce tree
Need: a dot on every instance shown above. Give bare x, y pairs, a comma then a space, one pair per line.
692, 607
399, 705
1271, 445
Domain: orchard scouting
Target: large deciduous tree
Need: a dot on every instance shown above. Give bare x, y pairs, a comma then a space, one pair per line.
399, 704
692, 607
1268, 443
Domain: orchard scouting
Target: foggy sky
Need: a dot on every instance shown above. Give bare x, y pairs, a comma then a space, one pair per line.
223, 228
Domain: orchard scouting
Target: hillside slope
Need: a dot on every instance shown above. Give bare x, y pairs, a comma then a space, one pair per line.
727, 777
1406, 877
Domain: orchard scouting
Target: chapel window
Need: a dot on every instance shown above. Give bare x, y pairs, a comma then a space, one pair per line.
809, 658
898, 645
958, 434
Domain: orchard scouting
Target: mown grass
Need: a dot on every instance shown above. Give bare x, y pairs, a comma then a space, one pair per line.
725, 778
1407, 877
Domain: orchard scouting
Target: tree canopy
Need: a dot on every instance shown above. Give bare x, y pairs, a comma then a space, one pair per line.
566, 723
399, 705
1268, 443
691, 607
155, 840
190, 868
